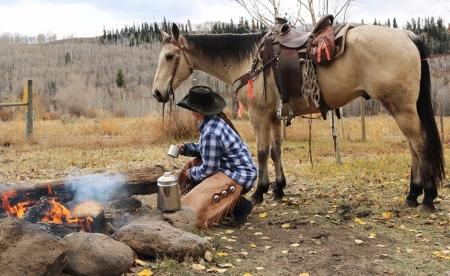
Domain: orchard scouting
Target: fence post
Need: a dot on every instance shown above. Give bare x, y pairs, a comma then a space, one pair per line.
30, 117
363, 120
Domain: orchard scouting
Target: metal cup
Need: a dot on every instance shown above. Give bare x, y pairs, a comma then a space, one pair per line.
174, 151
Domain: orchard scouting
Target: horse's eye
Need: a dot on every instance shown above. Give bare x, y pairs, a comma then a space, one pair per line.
169, 57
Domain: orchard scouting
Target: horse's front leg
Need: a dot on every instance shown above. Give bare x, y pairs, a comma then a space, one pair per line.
275, 154
261, 125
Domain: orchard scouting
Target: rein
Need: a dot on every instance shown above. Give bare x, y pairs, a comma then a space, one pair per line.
177, 62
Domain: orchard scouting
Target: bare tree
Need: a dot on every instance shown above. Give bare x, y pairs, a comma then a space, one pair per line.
303, 13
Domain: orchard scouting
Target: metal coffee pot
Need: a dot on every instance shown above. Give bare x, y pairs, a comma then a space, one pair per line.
168, 199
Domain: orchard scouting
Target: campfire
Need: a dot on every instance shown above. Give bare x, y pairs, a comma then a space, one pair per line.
86, 216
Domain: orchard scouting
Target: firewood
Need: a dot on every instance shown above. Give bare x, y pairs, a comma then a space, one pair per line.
133, 182
39, 210
91, 210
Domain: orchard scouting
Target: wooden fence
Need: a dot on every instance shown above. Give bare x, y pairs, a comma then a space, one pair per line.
29, 118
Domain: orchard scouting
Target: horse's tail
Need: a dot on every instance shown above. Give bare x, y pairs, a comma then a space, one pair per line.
426, 115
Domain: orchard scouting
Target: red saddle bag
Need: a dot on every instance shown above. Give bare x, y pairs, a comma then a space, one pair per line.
322, 47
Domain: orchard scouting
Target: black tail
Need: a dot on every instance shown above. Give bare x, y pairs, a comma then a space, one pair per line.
426, 115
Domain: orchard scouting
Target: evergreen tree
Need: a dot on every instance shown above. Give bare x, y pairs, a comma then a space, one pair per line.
394, 23
120, 79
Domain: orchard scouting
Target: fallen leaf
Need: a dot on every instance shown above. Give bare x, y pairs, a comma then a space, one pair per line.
145, 272
284, 251
295, 245
380, 245
267, 247
358, 241
140, 262
409, 250
252, 245
244, 253
259, 268
303, 274
229, 232
225, 265
262, 215
221, 254
208, 256
386, 215
247, 274
286, 225
221, 270
360, 221
372, 235
197, 267
257, 233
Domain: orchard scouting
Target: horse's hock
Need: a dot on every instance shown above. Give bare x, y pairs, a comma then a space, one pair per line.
101, 236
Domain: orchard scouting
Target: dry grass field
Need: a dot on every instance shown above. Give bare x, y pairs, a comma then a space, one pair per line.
336, 219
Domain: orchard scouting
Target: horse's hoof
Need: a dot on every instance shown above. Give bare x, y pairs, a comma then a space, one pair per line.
426, 208
409, 204
256, 200
276, 196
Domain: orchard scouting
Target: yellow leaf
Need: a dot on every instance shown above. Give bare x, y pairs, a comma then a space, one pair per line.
286, 225
360, 221
387, 215
247, 274
262, 215
303, 274
252, 245
284, 251
221, 270
198, 266
372, 235
145, 272
221, 254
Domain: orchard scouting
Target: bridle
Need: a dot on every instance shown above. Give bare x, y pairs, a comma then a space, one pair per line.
180, 47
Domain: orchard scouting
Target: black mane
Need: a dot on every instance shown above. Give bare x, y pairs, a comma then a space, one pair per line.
225, 47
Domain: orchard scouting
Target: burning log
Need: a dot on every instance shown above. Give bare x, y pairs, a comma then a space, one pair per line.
60, 230
94, 217
38, 211
99, 187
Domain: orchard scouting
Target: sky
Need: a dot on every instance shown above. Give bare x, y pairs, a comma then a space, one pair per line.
88, 18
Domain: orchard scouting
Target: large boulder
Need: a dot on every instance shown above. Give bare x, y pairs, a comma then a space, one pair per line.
27, 249
96, 254
158, 238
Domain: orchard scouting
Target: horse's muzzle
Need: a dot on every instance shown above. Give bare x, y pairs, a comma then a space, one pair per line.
159, 97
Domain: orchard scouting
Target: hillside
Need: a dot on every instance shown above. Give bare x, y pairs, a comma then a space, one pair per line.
79, 76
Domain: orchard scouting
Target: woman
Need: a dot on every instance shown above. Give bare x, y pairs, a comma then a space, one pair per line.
222, 169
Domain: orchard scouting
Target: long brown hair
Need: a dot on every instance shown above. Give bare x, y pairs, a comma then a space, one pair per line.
228, 121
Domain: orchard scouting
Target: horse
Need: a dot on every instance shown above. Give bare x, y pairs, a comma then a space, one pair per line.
386, 64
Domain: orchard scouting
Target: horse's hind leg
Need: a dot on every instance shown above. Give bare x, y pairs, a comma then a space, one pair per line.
275, 154
415, 185
421, 163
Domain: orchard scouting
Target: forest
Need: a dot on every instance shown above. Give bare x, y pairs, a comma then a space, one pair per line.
112, 75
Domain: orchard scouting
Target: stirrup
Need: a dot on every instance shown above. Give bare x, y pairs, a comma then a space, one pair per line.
290, 113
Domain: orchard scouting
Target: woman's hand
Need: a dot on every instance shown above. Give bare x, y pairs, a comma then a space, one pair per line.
181, 147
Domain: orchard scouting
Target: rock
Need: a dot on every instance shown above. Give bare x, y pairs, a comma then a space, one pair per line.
184, 219
27, 249
157, 238
96, 254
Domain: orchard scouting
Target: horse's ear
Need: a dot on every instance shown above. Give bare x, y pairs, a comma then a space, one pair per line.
175, 32
164, 35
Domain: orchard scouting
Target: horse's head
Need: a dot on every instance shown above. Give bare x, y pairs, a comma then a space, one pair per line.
173, 65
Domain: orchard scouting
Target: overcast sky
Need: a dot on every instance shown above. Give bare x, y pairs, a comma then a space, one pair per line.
87, 18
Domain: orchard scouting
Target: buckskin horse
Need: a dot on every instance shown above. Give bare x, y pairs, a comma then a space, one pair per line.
386, 64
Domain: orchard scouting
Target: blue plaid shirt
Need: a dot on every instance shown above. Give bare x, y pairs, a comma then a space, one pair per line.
221, 149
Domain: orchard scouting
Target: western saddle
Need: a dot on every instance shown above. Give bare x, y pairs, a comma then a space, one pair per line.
284, 49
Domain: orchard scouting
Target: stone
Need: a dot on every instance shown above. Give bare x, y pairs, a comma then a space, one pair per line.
156, 238
27, 249
184, 219
96, 254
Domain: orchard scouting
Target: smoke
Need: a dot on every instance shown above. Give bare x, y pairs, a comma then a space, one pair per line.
98, 187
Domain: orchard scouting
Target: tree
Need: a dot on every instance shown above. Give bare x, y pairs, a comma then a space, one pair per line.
265, 11
394, 23
120, 79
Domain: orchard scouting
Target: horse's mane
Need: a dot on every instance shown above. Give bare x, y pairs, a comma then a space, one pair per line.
225, 47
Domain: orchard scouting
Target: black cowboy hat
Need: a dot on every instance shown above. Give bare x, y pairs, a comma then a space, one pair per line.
203, 100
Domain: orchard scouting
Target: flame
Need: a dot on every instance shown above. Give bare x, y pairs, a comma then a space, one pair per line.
58, 214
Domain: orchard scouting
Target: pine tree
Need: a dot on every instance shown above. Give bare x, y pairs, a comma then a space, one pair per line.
120, 79
394, 23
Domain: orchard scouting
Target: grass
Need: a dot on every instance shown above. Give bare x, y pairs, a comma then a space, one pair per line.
369, 185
